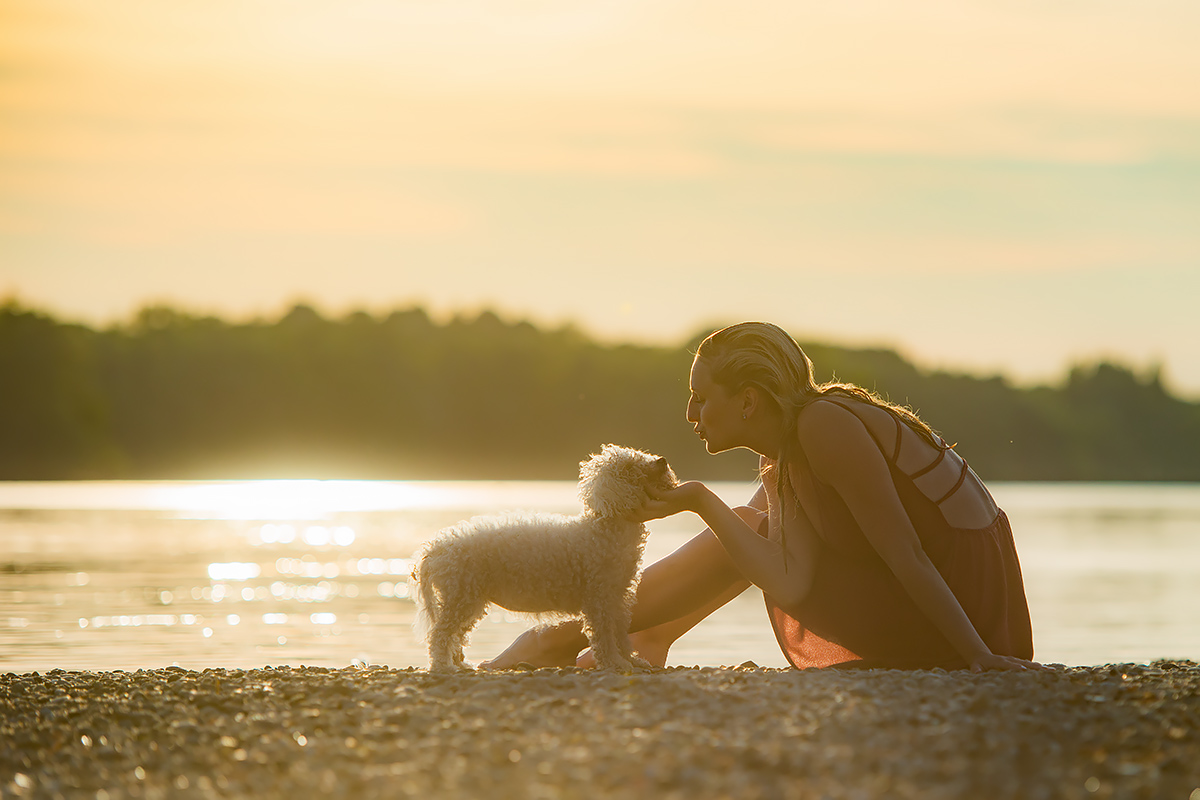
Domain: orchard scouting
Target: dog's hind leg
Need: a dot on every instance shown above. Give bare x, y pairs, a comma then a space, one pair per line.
449, 634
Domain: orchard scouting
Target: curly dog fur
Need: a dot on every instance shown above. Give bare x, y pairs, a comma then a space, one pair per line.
584, 565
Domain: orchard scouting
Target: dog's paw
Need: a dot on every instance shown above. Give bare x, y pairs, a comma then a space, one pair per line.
640, 662
449, 669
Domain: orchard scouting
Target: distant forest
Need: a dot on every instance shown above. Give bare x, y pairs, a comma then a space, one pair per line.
170, 395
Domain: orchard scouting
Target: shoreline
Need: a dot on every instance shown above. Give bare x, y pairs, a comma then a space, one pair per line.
1125, 730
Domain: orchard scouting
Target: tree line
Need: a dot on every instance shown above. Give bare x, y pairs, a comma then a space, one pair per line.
174, 395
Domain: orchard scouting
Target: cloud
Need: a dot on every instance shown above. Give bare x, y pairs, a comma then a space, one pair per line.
141, 207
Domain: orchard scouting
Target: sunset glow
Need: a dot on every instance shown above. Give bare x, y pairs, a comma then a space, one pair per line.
986, 186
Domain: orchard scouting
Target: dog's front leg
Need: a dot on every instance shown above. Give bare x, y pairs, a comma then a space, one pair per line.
606, 623
623, 641
622, 629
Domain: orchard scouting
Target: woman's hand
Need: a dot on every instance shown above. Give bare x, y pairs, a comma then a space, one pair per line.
992, 662
684, 497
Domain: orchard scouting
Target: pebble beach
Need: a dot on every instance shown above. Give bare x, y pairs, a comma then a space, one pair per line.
1114, 731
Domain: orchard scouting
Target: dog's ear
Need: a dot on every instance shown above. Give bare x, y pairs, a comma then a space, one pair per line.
660, 465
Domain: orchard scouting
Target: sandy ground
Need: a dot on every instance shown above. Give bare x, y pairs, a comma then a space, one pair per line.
1115, 731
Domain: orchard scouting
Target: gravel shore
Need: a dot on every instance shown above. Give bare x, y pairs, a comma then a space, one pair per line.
1115, 731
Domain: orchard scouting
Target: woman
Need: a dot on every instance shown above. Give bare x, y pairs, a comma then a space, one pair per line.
874, 543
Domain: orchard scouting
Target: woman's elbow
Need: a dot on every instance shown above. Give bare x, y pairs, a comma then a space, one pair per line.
912, 565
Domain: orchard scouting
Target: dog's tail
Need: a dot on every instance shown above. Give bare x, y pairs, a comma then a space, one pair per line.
422, 591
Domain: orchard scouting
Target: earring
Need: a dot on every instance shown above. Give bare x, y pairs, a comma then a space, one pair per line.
743, 416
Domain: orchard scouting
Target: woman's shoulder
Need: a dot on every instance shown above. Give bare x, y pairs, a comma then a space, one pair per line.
828, 426
835, 443
823, 412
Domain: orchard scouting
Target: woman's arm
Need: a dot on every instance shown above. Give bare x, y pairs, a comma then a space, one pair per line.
786, 575
842, 453
759, 500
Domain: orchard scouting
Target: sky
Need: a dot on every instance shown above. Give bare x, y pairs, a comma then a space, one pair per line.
985, 185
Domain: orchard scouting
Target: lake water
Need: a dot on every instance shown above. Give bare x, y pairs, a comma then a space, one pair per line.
124, 575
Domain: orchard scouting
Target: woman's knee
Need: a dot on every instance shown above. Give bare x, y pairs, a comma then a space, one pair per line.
703, 557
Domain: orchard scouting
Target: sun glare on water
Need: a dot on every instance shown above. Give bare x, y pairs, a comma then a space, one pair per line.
298, 499
269, 499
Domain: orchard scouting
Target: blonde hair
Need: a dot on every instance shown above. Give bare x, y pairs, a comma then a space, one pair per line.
763, 355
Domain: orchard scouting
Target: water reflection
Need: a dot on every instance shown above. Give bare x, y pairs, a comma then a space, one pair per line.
287, 500
133, 575
316, 572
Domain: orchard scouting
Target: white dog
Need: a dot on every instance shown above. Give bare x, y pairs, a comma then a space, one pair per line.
585, 565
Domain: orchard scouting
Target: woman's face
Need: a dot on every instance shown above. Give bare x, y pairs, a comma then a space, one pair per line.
713, 412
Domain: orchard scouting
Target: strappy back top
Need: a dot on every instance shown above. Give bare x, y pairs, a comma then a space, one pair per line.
837, 525
943, 450
858, 614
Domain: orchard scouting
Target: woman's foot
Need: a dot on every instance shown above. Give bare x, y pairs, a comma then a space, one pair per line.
553, 646
651, 648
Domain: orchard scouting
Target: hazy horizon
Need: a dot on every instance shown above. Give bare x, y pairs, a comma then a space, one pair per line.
1142, 371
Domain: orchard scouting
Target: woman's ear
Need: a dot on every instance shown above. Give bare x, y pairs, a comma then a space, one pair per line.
750, 401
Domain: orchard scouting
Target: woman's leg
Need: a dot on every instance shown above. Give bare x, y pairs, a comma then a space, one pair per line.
653, 644
674, 594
